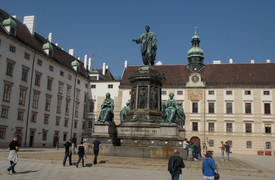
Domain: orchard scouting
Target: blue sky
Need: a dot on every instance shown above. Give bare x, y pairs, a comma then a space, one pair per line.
241, 30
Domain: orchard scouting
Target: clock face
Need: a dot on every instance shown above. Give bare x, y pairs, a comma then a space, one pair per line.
195, 78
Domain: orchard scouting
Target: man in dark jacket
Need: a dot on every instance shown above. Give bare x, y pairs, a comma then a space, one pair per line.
175, 164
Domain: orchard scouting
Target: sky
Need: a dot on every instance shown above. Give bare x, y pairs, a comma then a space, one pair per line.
228, 29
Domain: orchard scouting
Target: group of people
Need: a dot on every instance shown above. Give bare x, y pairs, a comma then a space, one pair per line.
225, 148
81, 152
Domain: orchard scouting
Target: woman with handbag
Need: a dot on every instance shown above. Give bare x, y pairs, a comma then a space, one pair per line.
208, 167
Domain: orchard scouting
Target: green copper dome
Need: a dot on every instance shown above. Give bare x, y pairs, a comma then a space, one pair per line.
195, 51
75, 63
9, 21
47, 46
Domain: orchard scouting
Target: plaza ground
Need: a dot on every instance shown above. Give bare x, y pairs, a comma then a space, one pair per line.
38, 163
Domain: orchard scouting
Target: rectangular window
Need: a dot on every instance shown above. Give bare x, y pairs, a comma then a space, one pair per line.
266, 108
93, 86
46, 119
229, 108
69, 77
48, 103
228, 92
44, 136
68, 91
20, 114
247, 108
268, 145
39, 62
60, 87
64, 136
179, 92
61, 73
25, 72
76, 110
163, 92
83, 125
248, 127
22, 96
35, 99
266, 93
247, 92
77, 94
78, 81
229, 127
12, 49
49, 83
10, 66
5, 112
195, 126
211, 108
50, 68
211, 143
110, 86
27, 56
37, 78
67, 108
267, 128
86, 85
75, 124
34, 116
211, 92
66, 122
248, 144
91, 106
211, 127
57, 121
195, 107
7, 92
59, 104
2, 132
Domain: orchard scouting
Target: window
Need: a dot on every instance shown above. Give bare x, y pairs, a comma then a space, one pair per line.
211, 108
248, 144
163, 92
48, 103
46, 119
179, 92
64, 136
83, 125
75, 124
228, 92
229, 127
248, 127
57, 121
7, 91
247, 108
195, 126
90, 124
50, 68
25, 72
2, 132
34, 116
67, 108
268, 145
10, 66
247, 92
229, 108
39, 62
35, 99
22, 96
69, 77
61, 73
60, 87
266, 93
27, 56
12, 49
93, 86
110, 86
86, 85
37, 78
76, 110
5, 112
211, 143
91, 106
66, 122
69, 90
266, 108
267, 128
78, 81
44, 136
59, 104
20, 114
77, 94
49, 83
195, 107
211, 92
211, 127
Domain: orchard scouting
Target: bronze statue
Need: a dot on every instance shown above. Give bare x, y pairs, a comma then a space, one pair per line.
124, 112
148, 43
107, 109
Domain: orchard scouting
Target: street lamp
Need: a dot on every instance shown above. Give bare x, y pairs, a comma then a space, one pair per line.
75, 65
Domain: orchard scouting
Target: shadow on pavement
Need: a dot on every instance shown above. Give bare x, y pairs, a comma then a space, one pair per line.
26, 172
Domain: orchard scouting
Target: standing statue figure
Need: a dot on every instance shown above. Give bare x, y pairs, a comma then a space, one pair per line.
124, 112
180, 115
148, 43
107, 110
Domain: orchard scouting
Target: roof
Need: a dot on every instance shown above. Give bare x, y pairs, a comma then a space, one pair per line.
237, 74
108, 74
36, 43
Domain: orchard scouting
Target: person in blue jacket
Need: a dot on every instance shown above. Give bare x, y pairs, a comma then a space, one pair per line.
206, 170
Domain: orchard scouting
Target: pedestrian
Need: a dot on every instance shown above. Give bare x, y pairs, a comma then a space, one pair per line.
68, 152
96, 145
175, 165
57, 145
222, 149
13, 158
208, 166
186, 146
81, 153
227, 149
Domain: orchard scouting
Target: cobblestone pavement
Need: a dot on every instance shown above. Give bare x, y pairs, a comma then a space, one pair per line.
47, 164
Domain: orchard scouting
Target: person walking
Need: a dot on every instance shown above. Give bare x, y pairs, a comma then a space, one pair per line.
13, 158
68, 152
227, 149
96, 145
175, 165
81, 153
222, 149
208, 166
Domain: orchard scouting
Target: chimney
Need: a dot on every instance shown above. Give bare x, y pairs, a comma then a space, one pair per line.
50, 37
230, 61
103, 69
79, 58
71, 52
85, 61
159, 63
56, 44
252, 61
268, 61
15, 17
217, 62
29, 21
90, 64
125, 64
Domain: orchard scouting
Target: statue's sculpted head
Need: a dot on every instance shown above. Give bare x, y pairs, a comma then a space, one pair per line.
171, 95
108, 95
147, 27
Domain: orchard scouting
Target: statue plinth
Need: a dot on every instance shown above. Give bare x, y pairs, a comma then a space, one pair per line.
105, 129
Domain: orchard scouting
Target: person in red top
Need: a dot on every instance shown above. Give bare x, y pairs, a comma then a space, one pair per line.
13, 147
